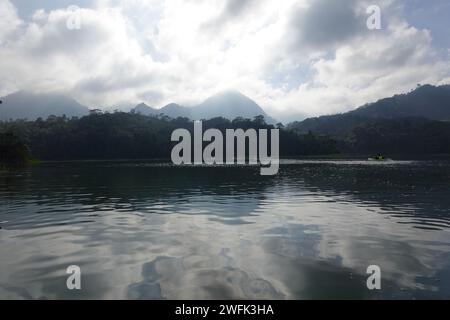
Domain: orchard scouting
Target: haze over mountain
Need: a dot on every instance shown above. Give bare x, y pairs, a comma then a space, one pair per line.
30, 106
229, 105
174, 110
144, 109
427, 102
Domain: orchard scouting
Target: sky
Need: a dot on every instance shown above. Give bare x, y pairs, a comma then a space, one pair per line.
295, 58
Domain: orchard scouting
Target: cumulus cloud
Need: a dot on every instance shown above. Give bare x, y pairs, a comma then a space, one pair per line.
377, 66
325, 23
97, 60
9, 21
292, 57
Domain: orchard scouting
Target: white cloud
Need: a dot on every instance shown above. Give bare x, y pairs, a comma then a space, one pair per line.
291, 57
9, 21
371, 68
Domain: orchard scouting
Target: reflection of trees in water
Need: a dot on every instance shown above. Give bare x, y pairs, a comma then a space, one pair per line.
418, 190
144, 186
229, 193
186, 190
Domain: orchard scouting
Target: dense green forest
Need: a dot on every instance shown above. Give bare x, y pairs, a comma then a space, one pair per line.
400, 136
122, 135
13, 151
417, 122
358, 135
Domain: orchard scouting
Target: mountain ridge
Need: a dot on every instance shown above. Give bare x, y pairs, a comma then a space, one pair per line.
227, 104
30, 106
428, 102
17, 106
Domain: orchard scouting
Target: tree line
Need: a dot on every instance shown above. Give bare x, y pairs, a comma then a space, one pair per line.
121, 135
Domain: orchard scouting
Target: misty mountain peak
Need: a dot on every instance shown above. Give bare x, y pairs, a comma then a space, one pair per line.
229, 104
172, 106
30, 105
145, 109
230, 97
142, 105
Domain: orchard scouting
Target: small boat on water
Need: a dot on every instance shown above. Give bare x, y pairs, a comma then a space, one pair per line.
379, 158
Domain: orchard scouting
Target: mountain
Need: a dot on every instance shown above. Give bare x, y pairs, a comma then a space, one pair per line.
27, 105
230, 105
174, 110
427, 102
145, 110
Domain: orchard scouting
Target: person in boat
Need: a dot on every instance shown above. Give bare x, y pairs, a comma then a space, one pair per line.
378, 157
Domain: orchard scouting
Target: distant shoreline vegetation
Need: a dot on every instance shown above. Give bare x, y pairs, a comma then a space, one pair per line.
412, 125
236, 147
416, 123
120, 135
13, 151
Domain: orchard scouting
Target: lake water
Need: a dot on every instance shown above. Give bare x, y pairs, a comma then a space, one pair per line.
145, 230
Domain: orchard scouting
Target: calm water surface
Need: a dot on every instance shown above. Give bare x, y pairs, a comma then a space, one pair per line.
152, 231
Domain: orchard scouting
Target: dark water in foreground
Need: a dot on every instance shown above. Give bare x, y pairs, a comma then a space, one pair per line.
152, 231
